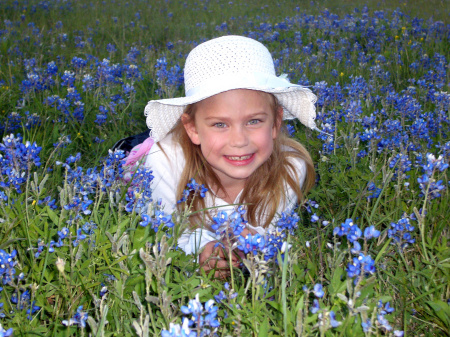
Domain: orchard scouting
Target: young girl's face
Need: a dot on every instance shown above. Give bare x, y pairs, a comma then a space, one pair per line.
235, 130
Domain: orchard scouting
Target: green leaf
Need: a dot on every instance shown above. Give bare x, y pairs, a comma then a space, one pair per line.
441, 310
52, 215
264, 328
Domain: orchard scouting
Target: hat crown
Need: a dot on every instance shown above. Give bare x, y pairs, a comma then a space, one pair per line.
225, 56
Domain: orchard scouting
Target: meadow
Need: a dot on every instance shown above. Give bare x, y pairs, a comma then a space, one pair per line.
83, 253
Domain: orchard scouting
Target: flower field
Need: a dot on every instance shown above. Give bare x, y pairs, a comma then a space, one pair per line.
84, 253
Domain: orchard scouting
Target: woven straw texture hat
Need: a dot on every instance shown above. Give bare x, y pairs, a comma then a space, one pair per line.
227, 63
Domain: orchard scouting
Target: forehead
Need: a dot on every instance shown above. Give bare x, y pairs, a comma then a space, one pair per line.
243, 100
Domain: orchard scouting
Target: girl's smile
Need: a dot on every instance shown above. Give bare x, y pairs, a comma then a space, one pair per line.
235, 130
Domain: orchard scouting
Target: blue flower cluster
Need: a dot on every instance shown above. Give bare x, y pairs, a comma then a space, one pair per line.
21, 298
381, 320
427, 183
139, 192
362, 264
202, 322
169, 79
107, 179
222, 296
23, 301
16, 159
157, 221
229, 227
401, 232
193, 189
323, 315
7, 264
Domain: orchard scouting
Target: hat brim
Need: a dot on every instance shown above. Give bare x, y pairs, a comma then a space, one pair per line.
297, 102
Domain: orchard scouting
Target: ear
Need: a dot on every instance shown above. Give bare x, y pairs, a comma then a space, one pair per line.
191, 129
277, 122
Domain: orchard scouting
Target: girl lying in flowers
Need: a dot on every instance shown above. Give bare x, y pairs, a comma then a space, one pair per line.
227, 133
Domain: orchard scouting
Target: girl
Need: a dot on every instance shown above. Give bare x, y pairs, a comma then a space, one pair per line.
227, 134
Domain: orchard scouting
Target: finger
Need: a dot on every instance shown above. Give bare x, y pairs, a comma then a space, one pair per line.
222, 274
215, 263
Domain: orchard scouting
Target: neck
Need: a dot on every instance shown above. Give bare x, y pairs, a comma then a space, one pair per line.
230, 193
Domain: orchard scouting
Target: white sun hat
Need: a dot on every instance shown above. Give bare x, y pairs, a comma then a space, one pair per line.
227, 63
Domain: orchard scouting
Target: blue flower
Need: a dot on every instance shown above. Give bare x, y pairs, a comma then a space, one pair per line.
5, 333
79, 318
371, 232
315, 307
202, 319
334, 323
251, 243
318, 290
356, 248
366, 325
384, 322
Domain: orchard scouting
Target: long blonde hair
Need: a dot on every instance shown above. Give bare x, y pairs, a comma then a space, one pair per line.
263, 190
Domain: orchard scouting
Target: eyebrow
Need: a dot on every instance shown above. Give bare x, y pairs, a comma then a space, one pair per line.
225, 118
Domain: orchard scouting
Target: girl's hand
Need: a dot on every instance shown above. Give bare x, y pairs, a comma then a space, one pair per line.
216, 257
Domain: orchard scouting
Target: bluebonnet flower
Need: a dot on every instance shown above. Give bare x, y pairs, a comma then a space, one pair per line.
139, 193
315, 306
275, 238
310, 204
370, 232
78, 62
318, 290
354, 268
202, 319
16, 160
102, 116
80, 237
387, 309
145, 220
366, 325
7, 264
194, 189
161, 219
356, 248
374, 191
23, 301
88, 82
111, 48
88, 228
384, 322
334, 323
367, 262
251, 243
68, 79
6, 333
290, 130
78, 319
49, 201
348, 229
177, 330
401, 232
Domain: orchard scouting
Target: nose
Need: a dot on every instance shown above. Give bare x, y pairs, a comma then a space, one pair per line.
238, 137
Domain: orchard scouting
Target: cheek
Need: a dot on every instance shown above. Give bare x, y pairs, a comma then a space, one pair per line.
211, 146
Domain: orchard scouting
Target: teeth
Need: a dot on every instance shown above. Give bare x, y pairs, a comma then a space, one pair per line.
239, 158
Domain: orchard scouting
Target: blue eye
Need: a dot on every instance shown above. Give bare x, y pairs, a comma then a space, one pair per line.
220, 125
254, 121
